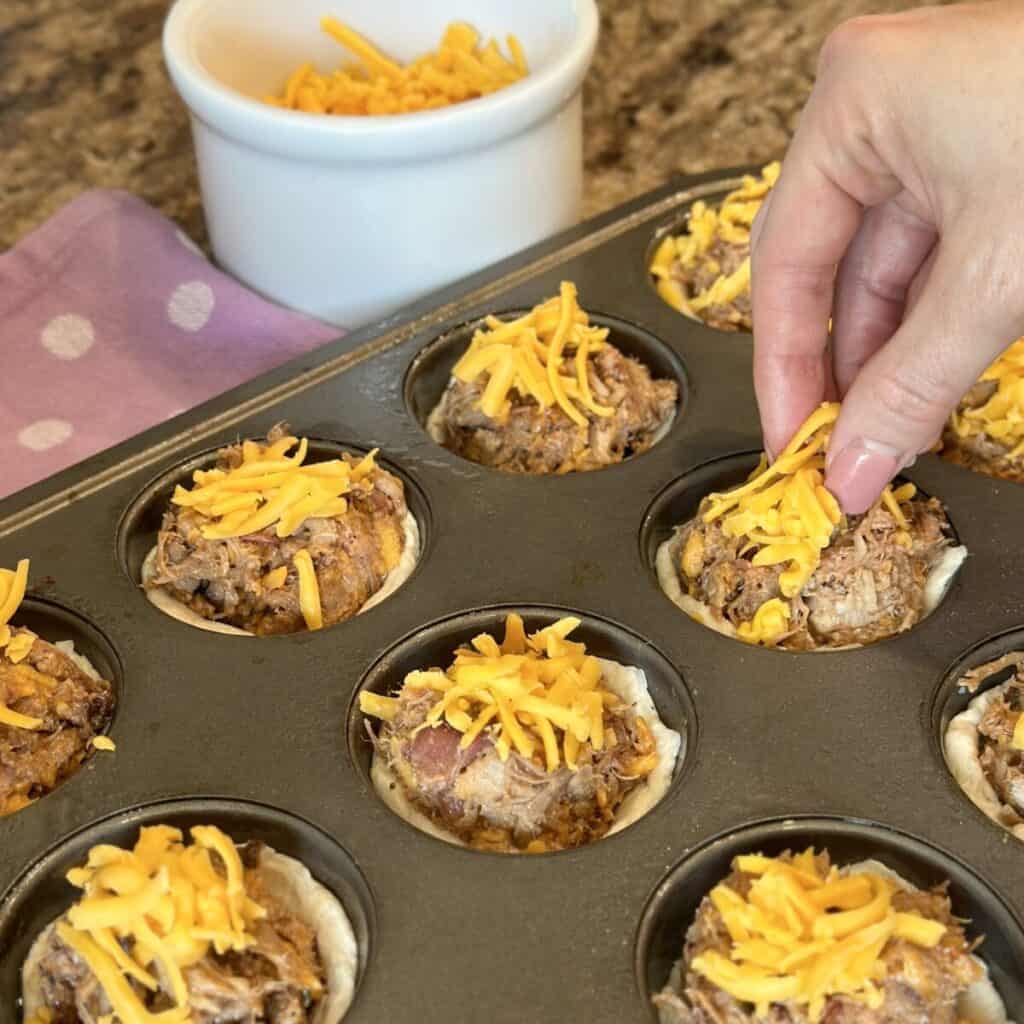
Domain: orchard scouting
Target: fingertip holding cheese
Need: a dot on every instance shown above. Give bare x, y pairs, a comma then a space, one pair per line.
786, 517
806, 931
174, 903
462, 68
542, 695
730, 222
1001, 417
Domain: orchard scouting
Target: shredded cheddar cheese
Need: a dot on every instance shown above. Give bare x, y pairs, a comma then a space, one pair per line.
15, 647
804, 933
147, 913
104, 743
1018, 734
460, 69
539, 694
309, 590
1002, 416
785, 515
542, 355
271, 488
730, 222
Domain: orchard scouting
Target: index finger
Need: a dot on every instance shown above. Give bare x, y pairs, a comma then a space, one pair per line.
807, 228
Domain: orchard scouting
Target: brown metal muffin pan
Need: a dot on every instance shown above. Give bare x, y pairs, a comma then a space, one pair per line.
262, 736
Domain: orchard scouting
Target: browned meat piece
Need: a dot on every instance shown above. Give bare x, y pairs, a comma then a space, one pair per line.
921, 987
224, 579
869, 584
515, 804
277, 980
722, 258
74, 708
1002, 763
538, 440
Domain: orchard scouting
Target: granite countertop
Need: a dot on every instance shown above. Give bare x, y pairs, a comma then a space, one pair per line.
678, 86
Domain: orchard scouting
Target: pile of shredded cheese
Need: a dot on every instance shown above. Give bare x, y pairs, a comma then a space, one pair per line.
460, 69
803, 934
14, 648
1002, 416
539, 694
169, 904
785, 515
270, 487
542, 355
730, 223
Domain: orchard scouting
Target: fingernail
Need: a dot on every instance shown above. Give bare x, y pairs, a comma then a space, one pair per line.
857, 474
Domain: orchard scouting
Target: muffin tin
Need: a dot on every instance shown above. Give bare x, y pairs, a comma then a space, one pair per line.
263, 737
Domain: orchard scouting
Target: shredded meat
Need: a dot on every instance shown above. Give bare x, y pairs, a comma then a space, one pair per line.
721, 258
1002, 763
538, 440
279, 979
223, 579
74, 708
868, 585
921, 986
981, 452
516, 804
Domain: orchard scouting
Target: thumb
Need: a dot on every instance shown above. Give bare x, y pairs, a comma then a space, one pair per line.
900, 400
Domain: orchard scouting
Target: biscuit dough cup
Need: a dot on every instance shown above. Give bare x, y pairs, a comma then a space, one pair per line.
775, 562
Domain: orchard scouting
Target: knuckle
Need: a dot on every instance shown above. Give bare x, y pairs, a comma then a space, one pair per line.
849, 41
916, 400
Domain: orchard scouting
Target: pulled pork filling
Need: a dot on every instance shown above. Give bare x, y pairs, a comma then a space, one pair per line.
538, 440
276, 980
722, 259
869, 584
226, 579
515, 804
981, 451
73, 708
1001, 760
921, 985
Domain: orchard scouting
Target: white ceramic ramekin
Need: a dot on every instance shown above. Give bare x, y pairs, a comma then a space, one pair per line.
348, 218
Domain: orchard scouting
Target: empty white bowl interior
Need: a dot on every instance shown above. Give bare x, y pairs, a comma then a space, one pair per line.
252, 46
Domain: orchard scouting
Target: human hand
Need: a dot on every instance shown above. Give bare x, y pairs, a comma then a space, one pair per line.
899, 213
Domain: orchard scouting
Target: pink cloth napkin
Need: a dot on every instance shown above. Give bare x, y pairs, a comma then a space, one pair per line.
112, 321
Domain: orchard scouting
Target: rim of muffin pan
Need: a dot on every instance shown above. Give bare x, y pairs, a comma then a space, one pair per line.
54, 622
429, 371
140, 522
677, 503
672, 904
950, 698
679, 224
432, 646
41, 893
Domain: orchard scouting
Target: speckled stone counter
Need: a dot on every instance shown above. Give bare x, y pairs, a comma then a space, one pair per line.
678, 86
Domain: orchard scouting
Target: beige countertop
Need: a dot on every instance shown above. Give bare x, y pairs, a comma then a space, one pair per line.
678, 86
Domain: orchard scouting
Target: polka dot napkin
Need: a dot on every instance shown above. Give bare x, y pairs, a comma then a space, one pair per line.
112, 321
